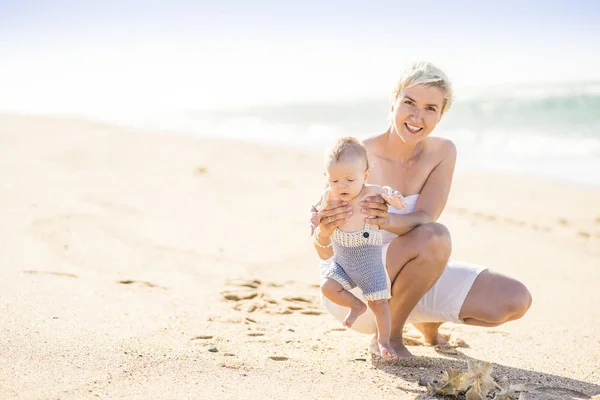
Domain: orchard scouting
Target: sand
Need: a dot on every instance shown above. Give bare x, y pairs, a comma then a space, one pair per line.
137, 265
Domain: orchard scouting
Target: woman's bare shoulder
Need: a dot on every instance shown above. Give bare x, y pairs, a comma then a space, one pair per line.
440, 148
375, 141
375, 145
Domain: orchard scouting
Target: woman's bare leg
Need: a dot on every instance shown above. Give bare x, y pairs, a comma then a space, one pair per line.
430, 333
495, 299
414, 263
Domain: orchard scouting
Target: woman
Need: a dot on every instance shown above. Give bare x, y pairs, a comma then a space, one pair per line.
427, 290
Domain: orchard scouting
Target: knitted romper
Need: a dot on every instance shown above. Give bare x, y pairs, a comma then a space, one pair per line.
357, 261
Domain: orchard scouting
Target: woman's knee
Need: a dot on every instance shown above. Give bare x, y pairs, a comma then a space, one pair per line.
435, 243
518, 303
513, 306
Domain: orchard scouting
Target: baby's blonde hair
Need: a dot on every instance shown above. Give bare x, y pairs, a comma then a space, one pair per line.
425, 73
346, 148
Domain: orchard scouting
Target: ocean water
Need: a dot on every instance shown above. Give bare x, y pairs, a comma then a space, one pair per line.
551, 131
547, 130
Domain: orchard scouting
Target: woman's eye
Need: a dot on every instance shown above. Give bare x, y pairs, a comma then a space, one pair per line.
410, 103
430, 109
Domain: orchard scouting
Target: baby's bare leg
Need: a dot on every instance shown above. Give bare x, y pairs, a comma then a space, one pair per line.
383, 317
334, 291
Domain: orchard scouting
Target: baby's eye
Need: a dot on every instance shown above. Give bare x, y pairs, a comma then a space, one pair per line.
350, 180
334, 181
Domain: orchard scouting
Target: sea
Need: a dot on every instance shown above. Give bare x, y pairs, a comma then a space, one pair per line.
549, 130
545, 130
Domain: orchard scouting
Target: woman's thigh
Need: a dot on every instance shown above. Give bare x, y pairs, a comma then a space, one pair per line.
494, 299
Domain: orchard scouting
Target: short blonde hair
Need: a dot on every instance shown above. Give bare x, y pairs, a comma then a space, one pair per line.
425, 73
346, 148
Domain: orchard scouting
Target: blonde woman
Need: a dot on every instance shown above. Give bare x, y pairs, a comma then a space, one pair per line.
427, 289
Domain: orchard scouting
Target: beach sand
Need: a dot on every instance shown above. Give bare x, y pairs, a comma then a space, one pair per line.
140, 265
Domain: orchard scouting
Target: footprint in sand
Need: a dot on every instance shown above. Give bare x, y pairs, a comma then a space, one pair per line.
498, 333
584, 235
201, 170
202, 337
255, 295
254, 284
563, 221
513, 221
65, 274
298, 298
239, 295
247, 290
254, 334
141, 283
311, 312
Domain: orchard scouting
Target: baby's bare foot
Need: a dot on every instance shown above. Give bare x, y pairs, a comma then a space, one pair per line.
355, 311
387, 351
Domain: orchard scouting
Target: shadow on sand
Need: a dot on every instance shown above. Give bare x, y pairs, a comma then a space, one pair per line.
540, 386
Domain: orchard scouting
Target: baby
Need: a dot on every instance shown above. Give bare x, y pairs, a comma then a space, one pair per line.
357, 259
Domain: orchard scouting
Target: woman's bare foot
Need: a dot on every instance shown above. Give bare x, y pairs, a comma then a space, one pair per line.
400, 349
355, 311
430, 333
387, 351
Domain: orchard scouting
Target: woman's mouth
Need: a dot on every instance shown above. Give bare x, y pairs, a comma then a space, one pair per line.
413, 129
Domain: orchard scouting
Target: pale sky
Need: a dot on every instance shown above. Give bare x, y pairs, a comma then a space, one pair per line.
74, 55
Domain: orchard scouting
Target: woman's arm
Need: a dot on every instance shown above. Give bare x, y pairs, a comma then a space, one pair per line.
431, 202
434, 194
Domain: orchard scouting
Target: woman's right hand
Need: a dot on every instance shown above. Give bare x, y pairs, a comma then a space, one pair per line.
334, 214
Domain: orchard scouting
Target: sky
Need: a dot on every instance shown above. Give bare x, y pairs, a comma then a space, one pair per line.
75, 56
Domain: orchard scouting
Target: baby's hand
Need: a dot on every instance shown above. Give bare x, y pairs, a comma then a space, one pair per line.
394, 198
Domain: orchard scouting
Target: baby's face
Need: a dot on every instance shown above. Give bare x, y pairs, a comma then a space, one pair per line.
346, 178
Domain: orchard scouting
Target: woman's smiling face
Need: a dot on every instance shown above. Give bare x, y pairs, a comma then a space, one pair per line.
416, 112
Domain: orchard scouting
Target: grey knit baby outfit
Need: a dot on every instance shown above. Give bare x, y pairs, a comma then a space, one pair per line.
357, 261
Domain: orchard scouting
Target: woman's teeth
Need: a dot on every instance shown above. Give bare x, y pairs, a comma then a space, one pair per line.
412, 129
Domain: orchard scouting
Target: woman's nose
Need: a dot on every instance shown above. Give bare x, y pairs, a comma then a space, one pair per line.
416, 114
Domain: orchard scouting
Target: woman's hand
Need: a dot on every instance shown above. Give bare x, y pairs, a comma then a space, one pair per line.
334, 214
376, 210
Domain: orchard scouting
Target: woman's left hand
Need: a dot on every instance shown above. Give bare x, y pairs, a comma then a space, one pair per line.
376, 210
